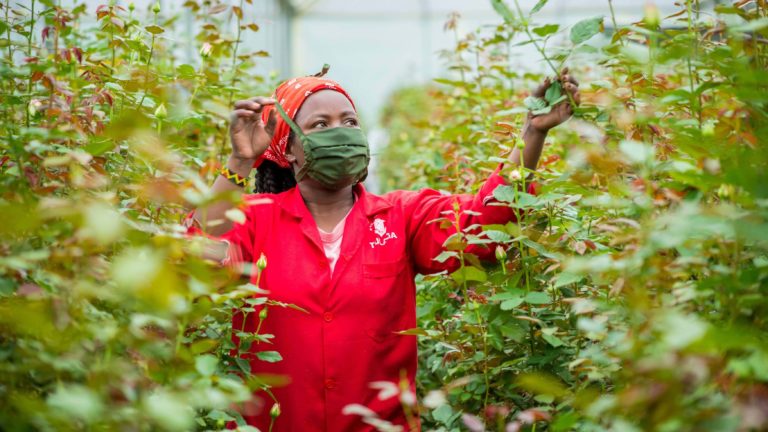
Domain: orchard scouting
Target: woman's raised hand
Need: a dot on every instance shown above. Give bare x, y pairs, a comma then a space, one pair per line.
560, 112
249, 135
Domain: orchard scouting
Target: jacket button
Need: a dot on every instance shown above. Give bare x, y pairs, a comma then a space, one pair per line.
330, 383
328, 316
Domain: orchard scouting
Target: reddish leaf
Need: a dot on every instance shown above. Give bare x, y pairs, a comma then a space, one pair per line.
29, 290
533, 415
117, 22
79, 54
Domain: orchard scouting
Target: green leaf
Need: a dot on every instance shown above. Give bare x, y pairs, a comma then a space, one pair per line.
538, 6
636, 151
497, 236
547, 29
502, 9
554, 93
76, 401
206, 364
534, 103
564, 279
680, 330
585, 29
537, 298
511, 303
469, 273
186, 71
416, 331
504, 194
443, 413
155, 30
269, 356
751, 26
99, 147
552, 340
445, 256
450, 82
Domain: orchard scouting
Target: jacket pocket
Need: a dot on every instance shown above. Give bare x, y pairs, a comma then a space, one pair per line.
381, 270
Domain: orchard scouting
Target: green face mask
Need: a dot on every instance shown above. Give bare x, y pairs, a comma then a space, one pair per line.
335, 157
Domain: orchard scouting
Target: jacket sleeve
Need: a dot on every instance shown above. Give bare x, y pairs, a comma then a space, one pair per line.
240, 239
426, 236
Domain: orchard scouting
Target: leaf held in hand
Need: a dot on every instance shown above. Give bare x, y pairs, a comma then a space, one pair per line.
553, 93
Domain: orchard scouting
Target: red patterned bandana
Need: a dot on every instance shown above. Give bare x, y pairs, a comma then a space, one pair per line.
291, 94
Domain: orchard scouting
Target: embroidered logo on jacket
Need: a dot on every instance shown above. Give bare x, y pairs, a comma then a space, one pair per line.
382, 236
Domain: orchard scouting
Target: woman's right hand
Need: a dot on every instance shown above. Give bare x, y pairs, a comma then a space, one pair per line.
249, 135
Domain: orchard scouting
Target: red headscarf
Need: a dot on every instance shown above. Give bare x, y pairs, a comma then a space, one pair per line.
291, 94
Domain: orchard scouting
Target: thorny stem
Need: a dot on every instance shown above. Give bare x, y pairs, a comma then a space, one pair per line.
146, 68
541, 51
621, 42
234, 52
405, 386
533, 40
12, 88
476, 309
112, 37
234, 75
10, 46
695, 100
456, 38
29, 52
613, 20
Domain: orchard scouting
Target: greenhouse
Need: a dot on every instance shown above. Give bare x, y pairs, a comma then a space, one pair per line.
336, 215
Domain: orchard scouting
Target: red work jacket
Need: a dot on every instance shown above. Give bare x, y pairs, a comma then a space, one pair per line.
348, 337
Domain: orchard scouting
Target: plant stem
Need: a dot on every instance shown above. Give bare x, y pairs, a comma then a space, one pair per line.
146, 71
234, 53
541, 51
29, 54
533, 40
613, 20
8, 32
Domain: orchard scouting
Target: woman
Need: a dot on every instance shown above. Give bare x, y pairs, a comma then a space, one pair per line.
346, 256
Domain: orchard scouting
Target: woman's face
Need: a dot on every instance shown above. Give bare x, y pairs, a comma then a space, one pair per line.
322, 110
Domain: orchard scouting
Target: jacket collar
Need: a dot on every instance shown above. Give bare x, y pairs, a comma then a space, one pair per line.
292, 202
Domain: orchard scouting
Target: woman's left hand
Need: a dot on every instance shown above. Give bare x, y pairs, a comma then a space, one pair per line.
560, 112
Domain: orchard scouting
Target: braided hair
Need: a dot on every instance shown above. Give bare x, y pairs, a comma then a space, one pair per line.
272, 178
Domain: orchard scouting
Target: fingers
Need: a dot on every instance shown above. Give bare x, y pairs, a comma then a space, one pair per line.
271, 121
565, 77
244, 114
569, 79
542, 89
263, 100
573, 89
254, 104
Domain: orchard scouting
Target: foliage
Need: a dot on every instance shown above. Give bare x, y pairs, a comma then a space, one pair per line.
630, 297
633, 294
108, 317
